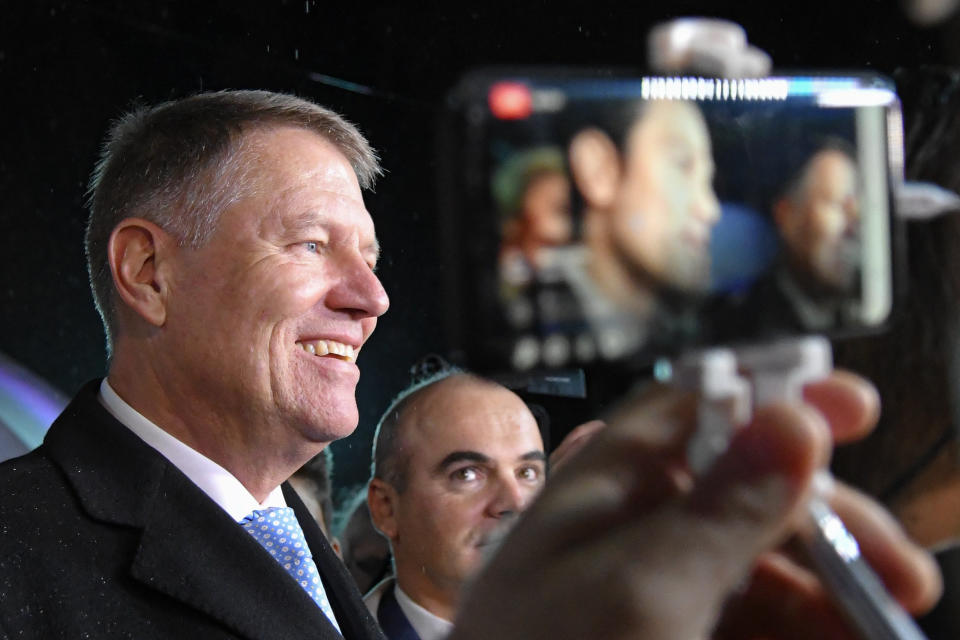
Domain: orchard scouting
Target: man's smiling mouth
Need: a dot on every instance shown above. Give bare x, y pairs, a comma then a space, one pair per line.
339, 350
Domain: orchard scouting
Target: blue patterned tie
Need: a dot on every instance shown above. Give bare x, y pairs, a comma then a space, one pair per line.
277, 531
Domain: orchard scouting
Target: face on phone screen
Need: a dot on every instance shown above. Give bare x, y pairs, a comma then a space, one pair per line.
614, 218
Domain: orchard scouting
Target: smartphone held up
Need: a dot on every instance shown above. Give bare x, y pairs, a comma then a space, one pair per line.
599, 217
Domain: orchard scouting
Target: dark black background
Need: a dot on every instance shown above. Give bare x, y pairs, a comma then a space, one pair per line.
68, 68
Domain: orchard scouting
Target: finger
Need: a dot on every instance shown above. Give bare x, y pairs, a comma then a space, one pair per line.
630, 466
747, 503
782, 600
574, 441
661, 571
909, 572
783, 595
849, 403
698, 547
765, 475
656, 423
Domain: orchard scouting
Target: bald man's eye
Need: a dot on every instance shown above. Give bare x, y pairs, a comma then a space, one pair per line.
465, 474
529, 474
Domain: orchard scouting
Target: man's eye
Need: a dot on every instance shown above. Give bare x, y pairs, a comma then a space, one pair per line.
684, 163
311, 246
466, 474
529, 473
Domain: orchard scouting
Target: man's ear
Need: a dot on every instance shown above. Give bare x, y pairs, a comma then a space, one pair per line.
137, 252
382, 500
784, 216
595, 167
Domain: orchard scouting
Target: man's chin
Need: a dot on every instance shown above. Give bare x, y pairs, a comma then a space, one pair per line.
326, 424
838, 282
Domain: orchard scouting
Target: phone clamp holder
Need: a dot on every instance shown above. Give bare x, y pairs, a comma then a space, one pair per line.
706, 46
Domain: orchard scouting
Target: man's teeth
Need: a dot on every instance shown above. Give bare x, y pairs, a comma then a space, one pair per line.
330, 347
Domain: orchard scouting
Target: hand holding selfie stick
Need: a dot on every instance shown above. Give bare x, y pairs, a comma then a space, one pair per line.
733, 383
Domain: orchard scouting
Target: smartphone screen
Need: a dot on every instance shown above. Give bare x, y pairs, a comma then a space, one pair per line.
599, 217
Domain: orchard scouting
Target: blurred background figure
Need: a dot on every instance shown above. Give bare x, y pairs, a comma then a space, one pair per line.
646, 180
533, 197
365, 551
312, 482
817, 216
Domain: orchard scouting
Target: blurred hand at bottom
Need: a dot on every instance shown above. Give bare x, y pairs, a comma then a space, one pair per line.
625, 543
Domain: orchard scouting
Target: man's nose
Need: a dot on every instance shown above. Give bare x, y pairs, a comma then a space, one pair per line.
706, 205
510, 499
358, 290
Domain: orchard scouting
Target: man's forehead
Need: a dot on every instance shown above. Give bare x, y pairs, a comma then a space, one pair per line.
298, 155
316, 217
671, 122
305, 182
306, 210
829, 170
468, 411
829, 161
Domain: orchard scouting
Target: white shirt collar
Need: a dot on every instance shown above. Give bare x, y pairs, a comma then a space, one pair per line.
218, 483
427, 625
815, 316
617, 332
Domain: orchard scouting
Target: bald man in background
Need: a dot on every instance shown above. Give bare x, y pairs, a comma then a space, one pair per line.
456, 459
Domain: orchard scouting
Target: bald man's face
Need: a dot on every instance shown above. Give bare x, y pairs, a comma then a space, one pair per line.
474, 461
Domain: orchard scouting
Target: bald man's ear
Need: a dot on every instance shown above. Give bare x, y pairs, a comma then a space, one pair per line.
382, 500
137, 252
595, 167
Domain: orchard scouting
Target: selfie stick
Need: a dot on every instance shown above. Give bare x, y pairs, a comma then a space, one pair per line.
732, 383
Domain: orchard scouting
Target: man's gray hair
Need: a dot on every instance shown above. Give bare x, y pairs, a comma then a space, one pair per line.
180, 164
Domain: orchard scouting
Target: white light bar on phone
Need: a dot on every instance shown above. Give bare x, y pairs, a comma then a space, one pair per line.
862, 97
828, 92
690, 88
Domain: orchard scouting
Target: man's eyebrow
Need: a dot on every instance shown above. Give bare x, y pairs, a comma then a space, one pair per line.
539, 456
309, 219
476, 456
304, 220
461, 456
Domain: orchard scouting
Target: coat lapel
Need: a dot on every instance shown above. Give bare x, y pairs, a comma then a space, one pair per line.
201, 557
354, 618
189, 548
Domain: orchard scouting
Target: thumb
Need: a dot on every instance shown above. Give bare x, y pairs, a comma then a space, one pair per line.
742, 507
744, 504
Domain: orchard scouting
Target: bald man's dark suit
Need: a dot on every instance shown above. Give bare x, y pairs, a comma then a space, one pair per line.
101, 537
